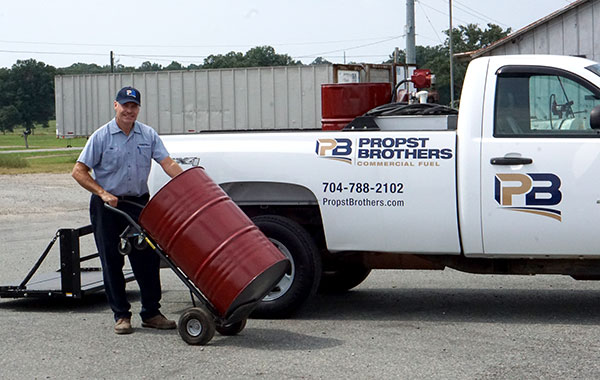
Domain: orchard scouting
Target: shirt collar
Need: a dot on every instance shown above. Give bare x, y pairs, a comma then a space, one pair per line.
114, 128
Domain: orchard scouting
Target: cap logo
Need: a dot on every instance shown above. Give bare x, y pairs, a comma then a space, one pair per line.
131, 93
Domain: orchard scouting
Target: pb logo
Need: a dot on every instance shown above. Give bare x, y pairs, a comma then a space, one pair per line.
336, 149
528, 192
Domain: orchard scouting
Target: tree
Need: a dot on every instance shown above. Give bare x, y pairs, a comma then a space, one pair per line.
266, 56
471, 37
465, 38
255, 57
32, 86
119, 68
9, 118
320, 61
437, 58
83, 68
174, 66
147, 66
231, 59
6, 95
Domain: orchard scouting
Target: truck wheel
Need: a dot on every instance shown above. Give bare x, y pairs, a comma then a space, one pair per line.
302, 279
342, 278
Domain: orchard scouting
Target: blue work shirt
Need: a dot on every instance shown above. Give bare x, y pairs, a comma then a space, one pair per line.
121, 163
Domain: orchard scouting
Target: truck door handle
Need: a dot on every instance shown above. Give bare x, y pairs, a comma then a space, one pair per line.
511, 161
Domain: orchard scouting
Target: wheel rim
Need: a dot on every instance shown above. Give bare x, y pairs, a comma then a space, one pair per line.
194, 327
288, 278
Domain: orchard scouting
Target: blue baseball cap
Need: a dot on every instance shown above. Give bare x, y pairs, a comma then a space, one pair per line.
129, 94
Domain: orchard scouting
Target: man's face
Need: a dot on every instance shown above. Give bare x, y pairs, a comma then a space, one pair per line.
126, 113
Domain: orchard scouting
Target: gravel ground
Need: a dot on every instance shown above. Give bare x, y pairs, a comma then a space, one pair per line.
32, 208
40, 194
397, 324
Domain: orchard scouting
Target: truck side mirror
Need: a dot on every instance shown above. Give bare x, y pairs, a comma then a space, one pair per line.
595, 117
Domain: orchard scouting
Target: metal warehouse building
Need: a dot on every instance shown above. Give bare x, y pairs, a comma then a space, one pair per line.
572, 30
178, 102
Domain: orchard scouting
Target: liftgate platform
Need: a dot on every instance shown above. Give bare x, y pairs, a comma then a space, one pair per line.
71, 280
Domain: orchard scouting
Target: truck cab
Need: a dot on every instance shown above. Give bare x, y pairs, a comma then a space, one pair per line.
537, 194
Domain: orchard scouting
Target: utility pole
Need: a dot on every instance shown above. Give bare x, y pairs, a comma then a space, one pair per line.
411, 54
451, 59
112, 62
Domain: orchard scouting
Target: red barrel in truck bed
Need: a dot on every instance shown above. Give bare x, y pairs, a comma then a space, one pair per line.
213, 242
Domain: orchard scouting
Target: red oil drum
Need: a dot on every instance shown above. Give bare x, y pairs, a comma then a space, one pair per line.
213, 242
342, 102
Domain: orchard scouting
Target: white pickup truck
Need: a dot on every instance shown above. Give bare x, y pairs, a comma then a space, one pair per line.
510, 186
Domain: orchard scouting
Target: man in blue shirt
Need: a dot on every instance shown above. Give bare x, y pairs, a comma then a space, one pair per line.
120, 155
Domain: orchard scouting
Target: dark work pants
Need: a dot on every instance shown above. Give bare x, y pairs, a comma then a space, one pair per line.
107, 226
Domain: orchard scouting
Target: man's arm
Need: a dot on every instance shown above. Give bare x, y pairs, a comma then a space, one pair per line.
171, 167
81, 174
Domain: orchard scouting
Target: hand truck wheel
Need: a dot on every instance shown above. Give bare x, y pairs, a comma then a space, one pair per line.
139, 242
231, 329
124, 246
196, 326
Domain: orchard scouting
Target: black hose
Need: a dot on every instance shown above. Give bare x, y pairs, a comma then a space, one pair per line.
395, 109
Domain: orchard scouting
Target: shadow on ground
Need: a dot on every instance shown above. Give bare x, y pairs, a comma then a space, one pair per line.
89, 303
458, 305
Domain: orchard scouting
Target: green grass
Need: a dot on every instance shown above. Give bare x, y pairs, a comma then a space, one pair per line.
12, 162
42, 138
34, 161
55, 162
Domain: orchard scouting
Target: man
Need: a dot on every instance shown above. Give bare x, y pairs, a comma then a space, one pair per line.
120, 154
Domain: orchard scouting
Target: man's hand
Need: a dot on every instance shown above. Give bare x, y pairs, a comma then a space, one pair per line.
170, 167
109, 198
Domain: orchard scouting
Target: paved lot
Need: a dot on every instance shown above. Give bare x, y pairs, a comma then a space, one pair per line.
397, 324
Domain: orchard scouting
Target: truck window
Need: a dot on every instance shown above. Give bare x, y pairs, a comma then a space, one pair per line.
530, 105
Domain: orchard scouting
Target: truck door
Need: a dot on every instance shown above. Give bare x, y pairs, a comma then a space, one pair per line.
540, 164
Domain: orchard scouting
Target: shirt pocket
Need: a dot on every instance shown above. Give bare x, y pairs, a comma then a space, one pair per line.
144, 156
110, 159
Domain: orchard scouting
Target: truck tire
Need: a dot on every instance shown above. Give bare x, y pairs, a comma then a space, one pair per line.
302, 280
342, 278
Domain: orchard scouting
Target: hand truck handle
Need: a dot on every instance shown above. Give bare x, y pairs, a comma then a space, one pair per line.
126, 216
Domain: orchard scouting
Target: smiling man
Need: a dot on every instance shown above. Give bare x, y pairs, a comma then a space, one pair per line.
120, 155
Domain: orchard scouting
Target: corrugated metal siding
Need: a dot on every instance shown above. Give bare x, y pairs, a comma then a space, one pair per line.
575, 32
178, 102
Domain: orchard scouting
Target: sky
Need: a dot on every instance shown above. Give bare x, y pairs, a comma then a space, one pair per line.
63, 32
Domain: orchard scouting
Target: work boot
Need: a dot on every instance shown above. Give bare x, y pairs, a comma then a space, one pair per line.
160, 322
123, 326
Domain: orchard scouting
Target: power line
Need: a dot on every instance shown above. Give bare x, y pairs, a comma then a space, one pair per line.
171, 57
351, 48
161, 56
190, 46
466, 9
444, 13
430, 23
475, 13
177, 58
49, 52
422, 36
